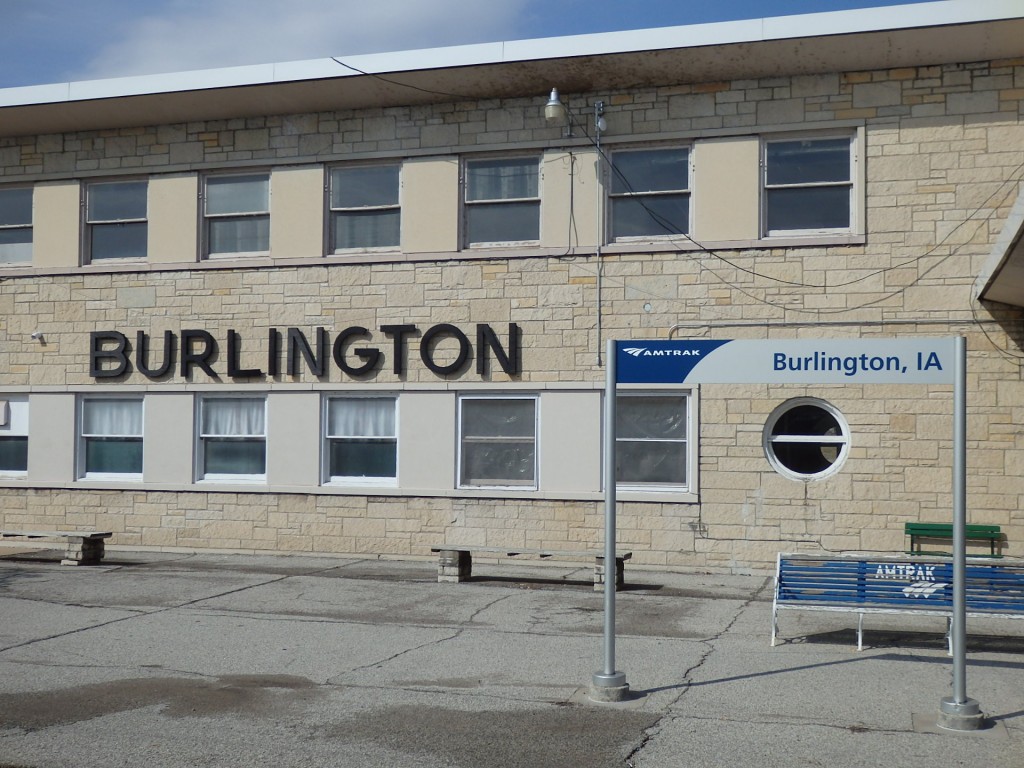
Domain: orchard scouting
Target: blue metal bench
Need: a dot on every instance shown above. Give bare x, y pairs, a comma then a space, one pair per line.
895, 585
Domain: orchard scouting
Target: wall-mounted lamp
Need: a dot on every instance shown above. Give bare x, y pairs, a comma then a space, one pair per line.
554, 110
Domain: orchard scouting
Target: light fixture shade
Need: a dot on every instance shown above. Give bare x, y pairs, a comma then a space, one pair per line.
554, 110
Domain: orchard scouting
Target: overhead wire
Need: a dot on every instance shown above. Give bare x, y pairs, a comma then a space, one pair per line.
1015, 178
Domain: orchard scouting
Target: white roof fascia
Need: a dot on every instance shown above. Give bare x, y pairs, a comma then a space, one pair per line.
1004, 261
890, 18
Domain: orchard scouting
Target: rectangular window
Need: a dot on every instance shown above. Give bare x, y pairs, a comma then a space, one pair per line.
502, 200
111, 437
650, 193
808, 186
115, 221
14, 435
365, 210
362, 442
232, 438
498, 442
236, 211
15, 225
651, 440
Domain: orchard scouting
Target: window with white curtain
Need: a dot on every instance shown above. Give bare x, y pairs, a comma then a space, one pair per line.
111, 437
365, 211
236, 211
502, 200
362, 441
651, 440
14, 435
15, 225
232, 438
498, 442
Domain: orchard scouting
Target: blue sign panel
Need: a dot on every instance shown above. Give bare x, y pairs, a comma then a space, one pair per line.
786, 361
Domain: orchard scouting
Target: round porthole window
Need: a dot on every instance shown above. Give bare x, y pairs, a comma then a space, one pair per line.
806, 439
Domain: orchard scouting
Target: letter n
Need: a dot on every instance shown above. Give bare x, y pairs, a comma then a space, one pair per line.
487, 340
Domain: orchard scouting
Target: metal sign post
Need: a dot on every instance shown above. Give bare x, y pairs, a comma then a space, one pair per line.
609, 684
958, 712
800, 361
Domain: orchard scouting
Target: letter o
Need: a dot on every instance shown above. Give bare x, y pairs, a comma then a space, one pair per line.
427, 344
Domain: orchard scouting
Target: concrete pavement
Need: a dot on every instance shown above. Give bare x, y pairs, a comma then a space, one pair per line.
167, 659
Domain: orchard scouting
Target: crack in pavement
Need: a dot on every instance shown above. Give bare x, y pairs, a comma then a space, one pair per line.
458, 633
709, 648
140, 613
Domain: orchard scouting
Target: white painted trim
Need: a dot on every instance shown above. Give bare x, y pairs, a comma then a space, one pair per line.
865, 20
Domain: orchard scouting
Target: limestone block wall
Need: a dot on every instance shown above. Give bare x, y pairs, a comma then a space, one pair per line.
943, 160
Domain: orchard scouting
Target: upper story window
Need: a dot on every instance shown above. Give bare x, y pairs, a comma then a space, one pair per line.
111, 437
236, 211
15, 225
808, 186
115, 220
14, 435
498, 442
650, 193
365, 211
232, 438
362, 441
652, 440
502, 198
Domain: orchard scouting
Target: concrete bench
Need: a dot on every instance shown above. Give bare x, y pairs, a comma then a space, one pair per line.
896, 585
83, 547
455, 561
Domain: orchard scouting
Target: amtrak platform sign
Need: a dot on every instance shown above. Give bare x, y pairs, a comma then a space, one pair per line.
786, 361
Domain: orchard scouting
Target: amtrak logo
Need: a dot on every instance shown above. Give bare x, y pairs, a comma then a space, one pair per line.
924, 588
645, 352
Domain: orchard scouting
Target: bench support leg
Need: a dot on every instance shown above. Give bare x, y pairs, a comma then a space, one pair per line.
860, 631
454, 565
82, 551
620, 573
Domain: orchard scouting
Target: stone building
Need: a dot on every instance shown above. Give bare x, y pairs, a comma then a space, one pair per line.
359, 305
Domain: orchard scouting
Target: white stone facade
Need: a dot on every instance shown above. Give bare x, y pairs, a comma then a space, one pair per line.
940, 157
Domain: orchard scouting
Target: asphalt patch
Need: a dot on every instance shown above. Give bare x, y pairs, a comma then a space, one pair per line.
242, 695
558, 735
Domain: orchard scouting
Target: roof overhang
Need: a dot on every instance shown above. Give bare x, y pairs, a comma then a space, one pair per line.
1002, 279
874, 38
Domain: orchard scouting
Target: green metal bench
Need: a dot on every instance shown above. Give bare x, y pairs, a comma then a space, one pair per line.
919, 532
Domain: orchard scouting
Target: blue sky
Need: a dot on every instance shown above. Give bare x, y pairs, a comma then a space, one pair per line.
48, 41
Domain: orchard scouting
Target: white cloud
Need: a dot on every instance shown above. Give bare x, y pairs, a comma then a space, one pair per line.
200, 34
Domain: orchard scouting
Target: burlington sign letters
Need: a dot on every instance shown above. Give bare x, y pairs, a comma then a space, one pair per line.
444, 349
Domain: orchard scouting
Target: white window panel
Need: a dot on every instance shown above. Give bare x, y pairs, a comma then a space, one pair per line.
365, 211
237, 214
650, 193
809, 186
502, 201
361, 440
498, 442
14, 435
15, 225
116, 224
652, 441
111, 437
232, 438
